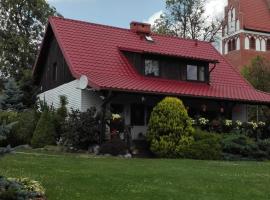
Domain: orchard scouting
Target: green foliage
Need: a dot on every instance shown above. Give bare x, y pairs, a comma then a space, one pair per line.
258, 73
186, 19
7, 122
23, 189
62, 110
28, 88
81, 129
11, 96
114, 147
206, 146
22, 132
170, 128
5, 129
23, 126
236, 146
264, 145
45, 133
60, 116
22, 27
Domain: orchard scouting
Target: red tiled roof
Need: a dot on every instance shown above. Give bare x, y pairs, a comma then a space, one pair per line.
256, 14
95, 51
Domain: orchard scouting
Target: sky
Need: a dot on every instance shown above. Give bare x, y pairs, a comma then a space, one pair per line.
121, 12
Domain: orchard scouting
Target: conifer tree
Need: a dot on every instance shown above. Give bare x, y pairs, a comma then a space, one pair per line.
11, 96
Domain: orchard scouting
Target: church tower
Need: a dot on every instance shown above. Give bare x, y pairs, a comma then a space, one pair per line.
246, 31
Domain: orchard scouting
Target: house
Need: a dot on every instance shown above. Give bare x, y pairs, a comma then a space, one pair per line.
130, 70
246, 31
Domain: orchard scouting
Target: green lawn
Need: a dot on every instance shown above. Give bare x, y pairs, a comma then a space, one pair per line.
87, 178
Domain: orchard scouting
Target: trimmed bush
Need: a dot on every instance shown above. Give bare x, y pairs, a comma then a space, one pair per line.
206, 146
81, 130
45, 133
170, 128
114, 147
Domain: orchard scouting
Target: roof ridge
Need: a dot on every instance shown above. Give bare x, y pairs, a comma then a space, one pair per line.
89, 23
180, 38
125, 29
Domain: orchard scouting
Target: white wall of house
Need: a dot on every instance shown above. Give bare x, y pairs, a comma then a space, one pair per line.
240, 113
70, 90
90, 99
78, 99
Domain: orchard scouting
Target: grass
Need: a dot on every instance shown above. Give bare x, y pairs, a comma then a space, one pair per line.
81, 177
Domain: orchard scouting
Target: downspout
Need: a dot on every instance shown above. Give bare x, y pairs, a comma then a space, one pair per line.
209, 76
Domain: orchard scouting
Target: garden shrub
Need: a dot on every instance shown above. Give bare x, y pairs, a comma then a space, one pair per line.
22, 132
206, 146
23, 189
7, 122
237, 146
264, 146
81, 129
60, 116
114, 147
141, 148
170, 128
45, 133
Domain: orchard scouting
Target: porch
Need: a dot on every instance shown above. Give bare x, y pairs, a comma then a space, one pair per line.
135, 109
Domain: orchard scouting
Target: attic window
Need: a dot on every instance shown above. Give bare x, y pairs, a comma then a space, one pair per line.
151, 68
149, 38
195, 73
192, 73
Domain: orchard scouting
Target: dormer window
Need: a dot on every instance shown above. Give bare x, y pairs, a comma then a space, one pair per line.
151, 68
195, 73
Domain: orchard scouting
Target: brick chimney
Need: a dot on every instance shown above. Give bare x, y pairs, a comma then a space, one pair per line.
141, 28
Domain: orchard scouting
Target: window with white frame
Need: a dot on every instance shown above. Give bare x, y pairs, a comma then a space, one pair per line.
258, 44
247, 42
263, 45
151, 68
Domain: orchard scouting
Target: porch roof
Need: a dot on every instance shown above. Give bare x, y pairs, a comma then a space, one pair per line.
96, 51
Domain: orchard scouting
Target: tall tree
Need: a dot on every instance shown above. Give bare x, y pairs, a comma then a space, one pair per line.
22, 24
11, 96
258, 73
187, 19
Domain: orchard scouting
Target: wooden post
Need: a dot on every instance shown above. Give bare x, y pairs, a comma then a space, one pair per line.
104, 105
